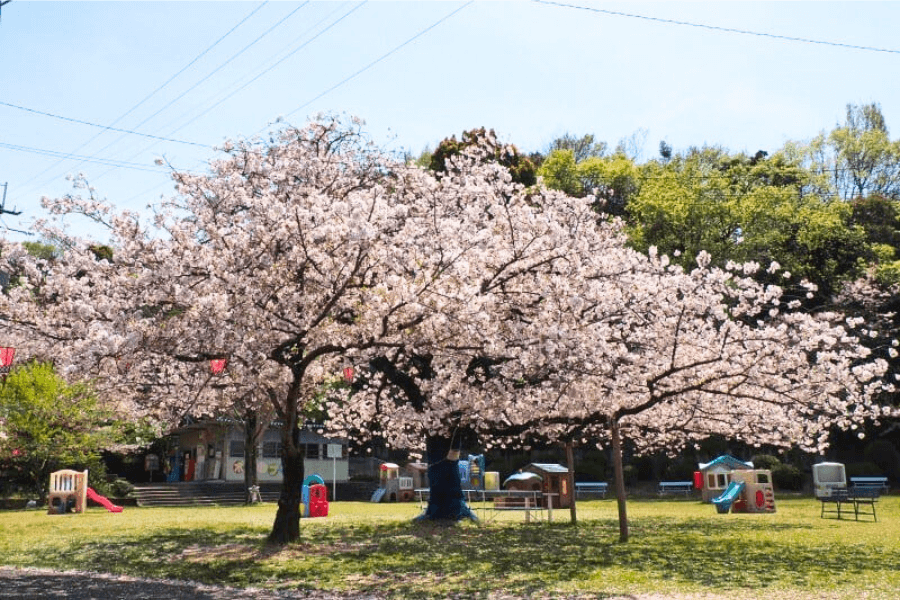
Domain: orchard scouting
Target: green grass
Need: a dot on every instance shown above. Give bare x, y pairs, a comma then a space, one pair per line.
676, 547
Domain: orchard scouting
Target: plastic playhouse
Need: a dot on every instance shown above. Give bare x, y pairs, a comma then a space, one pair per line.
829, 478
392, 487
313, 497
69, 492
733, 485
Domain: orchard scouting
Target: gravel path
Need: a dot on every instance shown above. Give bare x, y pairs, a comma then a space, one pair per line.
37, 584
34, 584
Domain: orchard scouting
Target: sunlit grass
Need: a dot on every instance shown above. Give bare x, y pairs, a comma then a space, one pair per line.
676, 546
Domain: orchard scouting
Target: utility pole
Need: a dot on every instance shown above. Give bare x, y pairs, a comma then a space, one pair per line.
3, 210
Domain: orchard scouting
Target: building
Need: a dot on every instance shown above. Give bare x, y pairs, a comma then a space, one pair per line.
212, 450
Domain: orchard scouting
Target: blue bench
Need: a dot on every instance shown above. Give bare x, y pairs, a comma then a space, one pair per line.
591, 487
676, 487
878, 484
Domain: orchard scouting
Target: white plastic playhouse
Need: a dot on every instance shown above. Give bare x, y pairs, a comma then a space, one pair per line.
736, 486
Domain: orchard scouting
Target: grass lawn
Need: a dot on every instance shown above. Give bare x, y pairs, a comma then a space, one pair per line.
677, 547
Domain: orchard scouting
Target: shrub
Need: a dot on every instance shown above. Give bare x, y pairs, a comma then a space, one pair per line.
682, 470
884, 455
863, 469
765, 461
630, 474
120, 488
787, 477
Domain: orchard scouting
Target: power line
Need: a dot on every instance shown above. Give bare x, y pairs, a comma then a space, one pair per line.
104, 127
717, 28
224, 64
103, 161
153, 93
381, 58
198, 83
269, 68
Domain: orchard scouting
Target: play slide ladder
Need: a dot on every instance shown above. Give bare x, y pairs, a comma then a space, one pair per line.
723, 503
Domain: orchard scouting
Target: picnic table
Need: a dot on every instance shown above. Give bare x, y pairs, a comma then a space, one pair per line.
859, 499
486, 502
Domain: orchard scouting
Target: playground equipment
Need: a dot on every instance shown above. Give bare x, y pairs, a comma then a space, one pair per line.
749, 491
714, 477
471, 472
393, 487
829, 478
69, 493
314, 497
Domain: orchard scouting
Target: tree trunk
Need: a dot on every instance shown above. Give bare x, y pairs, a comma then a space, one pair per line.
620, 479
286, 528
570, 459
446, 501
251, 441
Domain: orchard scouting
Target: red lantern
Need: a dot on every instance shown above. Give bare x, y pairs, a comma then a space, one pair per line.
217, 365
6, 360
348, 374
6, 356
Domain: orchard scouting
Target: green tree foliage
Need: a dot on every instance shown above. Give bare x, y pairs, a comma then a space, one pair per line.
560, 172
745, 208
582, 148
879, 217
47, 424
520, 167
39, 250
611, 179
858, 158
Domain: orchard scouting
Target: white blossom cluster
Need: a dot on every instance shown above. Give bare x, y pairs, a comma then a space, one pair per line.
516, 313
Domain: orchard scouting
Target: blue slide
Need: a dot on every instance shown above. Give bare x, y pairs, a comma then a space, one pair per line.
723, 503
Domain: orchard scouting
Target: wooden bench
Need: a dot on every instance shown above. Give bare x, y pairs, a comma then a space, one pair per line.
857, 498
591, 487
676, 487
879, 484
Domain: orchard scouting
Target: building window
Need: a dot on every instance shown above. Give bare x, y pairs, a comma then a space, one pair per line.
236, 449
271, 450
312, 451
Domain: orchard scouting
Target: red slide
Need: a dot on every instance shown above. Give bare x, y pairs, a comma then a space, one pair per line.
102, 501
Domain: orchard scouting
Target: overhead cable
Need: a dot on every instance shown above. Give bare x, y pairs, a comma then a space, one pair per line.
717, 28
153, 93
103, 161
381, 58
104, 127
270, 67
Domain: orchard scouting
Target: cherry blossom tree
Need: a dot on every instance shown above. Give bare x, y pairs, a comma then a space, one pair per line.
477, 305
710, 352
285, 257
622, 344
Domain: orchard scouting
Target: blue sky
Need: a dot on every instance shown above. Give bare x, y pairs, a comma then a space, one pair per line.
416, 72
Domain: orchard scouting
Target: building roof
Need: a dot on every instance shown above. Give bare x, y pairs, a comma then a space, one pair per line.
727, 461
548, 468
522, 477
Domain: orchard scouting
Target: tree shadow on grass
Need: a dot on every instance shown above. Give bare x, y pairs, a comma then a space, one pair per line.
420, 561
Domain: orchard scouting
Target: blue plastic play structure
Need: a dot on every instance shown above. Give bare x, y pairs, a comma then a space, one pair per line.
732, 492
471, 472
